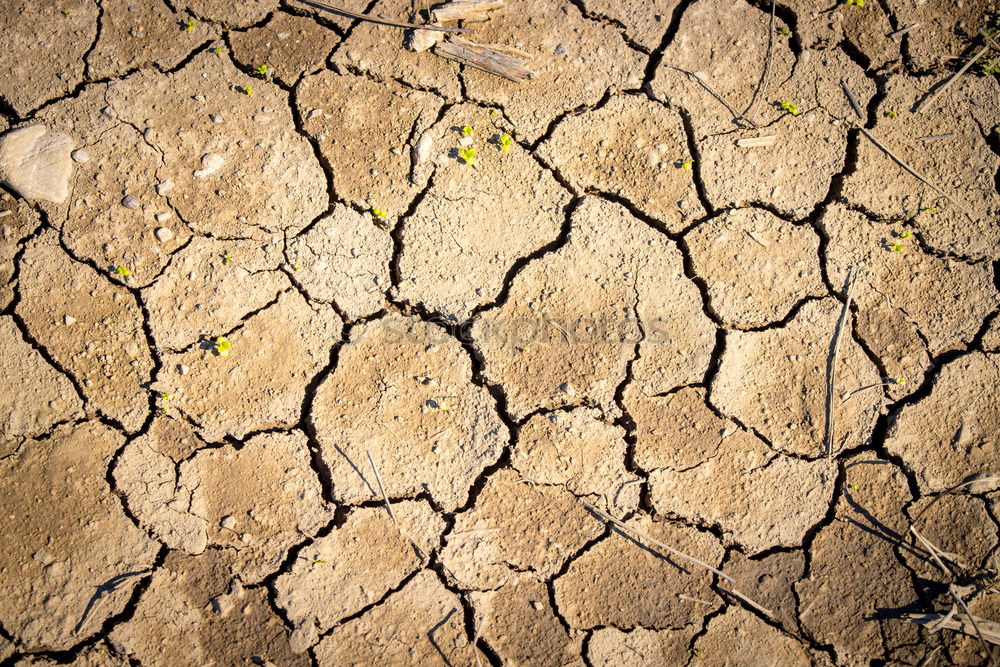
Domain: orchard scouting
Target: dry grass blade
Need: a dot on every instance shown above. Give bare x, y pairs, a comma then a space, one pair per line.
980, 479
933, 622
388, 508
950, 80
691, 559
850, 99
831, 368
381, 21
485, 58
765, 77
700, 78
465, 10
902, 31
755, 142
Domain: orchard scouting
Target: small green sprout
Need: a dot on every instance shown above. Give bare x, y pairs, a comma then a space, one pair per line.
467, 131
687, 164
123, 271
891, 114
316, 561
469, 155
784, 32
900, 380
990, 67
188, 25
226, 258
856, 3
222, 346
896, 246
493, 112
166, 395
65, 12
905, 234
852, 486
296, 267
217, 50
248, 90
505, 142
261, 69
790, 107
379, 213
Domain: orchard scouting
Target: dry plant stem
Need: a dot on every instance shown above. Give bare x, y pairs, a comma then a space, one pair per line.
831, 370
483, 58
754, 142
737, 116
466, 10
388, 508
765, 77
936, 137
990, 630
902, 31
625, 527
380, 21
947, 84
962, 485
853, 102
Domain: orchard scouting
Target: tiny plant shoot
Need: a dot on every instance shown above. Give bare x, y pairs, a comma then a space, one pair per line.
189, 25
856, 3
687, 164
217, 50
226, 258
505, 142
784, 32
790, 107
248, 90
469, 155
467, 131
261, 69
123, 271
379, 213
222, 346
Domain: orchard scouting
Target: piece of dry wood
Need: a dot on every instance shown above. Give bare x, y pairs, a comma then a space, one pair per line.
485, 58
850, 99
755, 142
902, 31
950, 80
990, 630
464, 10
378, 19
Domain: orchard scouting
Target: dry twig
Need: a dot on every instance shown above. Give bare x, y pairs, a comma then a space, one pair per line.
765, 77
831, 369
381, 21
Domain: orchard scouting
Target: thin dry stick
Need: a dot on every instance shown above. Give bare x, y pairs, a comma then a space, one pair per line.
853, 102
675, 552
947, 84
990, 630
765, 77
700, 79
831, 369
903, 30
388, 507
380, 20
962, 485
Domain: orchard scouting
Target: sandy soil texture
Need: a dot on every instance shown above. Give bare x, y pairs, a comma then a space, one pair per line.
320, 351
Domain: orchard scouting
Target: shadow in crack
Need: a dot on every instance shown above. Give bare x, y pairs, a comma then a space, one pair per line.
430, 636
108, 587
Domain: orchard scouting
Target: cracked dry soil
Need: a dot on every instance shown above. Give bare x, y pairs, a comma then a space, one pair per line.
624, 312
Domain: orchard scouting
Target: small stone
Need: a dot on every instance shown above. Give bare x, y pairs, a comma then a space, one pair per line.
560, 50
69, 320
422, 150
79, 155
215, 118
465, 142
210, 163
183, 369
536, 605
228, 522
568, 389
314, 113
35, 162
164, 216
164, 187
128, 201
163, 234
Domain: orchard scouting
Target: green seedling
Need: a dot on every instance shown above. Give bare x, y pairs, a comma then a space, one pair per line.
891, 114
226, 258
784, 32
222, 346
493, 112
856, 3
65, 12
123, 271
900, 380
261, 69
316, 561
217, 50
896, 246
852, 486
687, 164
505, 142
188, 25
905, 234
295, 267
990, 67
379, 213
790, 107
247, 90
467, 131
166, 395
469, 155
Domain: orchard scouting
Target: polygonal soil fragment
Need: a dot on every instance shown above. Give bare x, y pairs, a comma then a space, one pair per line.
137, 34
275, 504
955, 524
645, 21
990, 341
89, 326
460, 243
574, 61
572, 320
677, 431
628, 584
289, 45
821, 26
960, 163
518, 623
244, 173
760, 499
96, 224
755, 265
196, 613
44, 44
209, 287
259, 382
402, 393
147, 477
333, 577
737, 631
770, 581
378, 51
641, 147
343, 259
230, 15
912, 305
725, 42
774, 381
583, 454
515, 526
610, 647
944, 31
363, 128
854, 575
35, 395
421, 624
71, 558
953, 432
17, 222
794, 173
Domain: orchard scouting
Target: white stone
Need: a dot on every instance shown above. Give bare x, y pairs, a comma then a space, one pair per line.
35, 162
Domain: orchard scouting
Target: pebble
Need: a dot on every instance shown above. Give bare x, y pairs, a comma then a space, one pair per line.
560, 50
422, 149
228, 522
35, 163
79, 155
163, 234
128, 201
215, 118
465, 142
183, 369
568, 389
314, 113
69, 320
164, 216
210, 163
164, 187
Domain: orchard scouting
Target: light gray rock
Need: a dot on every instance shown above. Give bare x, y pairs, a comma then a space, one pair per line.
35, 162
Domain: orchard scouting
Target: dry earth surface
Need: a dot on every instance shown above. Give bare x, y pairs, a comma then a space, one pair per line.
287, 382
